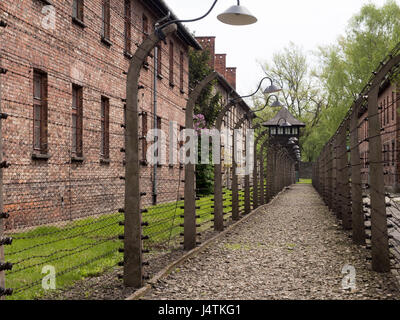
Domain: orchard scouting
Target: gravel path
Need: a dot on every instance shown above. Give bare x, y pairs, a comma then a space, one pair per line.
291, 249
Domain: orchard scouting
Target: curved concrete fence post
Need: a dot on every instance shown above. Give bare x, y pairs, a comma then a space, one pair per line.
133, 270
190, 188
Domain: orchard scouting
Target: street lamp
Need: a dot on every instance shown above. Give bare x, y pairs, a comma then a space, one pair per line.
275, 104
235, 15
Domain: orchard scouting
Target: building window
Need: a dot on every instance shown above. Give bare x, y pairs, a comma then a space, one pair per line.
159, 61
393, 152
77, 10
273, 131
280, 131
181, 71
40, 111
182, 141
77, 120
393, 105
171, 63
295, 131
106, 20
145, 26
128, 26
105, 128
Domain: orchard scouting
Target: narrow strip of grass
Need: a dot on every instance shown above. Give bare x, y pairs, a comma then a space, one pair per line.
305, 181
88, 247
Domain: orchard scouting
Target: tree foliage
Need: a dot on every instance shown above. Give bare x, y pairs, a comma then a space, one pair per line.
346, 66
292, 71
209, 105
321, 96
209, 101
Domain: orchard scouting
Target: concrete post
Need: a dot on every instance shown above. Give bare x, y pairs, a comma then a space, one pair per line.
356, 190
190, 189
218, 197
235, 184
133, 270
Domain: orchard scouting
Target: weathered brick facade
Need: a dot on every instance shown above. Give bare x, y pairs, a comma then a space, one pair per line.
390, 124
57, 185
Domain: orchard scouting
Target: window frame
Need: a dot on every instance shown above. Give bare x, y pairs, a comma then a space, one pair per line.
181, 71
106, 21
40, 144
171, 63
128, 27
144, 136
105, 128
77, 112
78, 12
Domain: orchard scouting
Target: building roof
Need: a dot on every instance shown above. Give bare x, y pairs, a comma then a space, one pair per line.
161, 9
284, 114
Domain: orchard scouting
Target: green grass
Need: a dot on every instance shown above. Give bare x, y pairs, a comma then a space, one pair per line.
305, 181
89, 247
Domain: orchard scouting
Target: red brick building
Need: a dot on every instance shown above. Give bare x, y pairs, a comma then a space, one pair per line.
388, 101
64, 93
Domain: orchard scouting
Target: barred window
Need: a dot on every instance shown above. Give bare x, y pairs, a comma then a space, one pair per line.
181, 71
128, 26
106, 20
171, 63
144, 134
40, 110
77, 9
105, 128
145, 26
77, 120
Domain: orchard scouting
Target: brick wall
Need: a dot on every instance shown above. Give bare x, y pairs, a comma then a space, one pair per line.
220, 64
45, 191
390, 138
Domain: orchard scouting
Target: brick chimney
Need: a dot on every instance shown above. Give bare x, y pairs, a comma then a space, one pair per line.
230, 76
208, 43
220, 64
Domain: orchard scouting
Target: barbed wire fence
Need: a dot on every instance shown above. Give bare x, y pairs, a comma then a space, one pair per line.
357, 170
85, 222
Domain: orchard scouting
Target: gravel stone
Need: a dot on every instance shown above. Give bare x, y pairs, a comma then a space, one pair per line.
293, 248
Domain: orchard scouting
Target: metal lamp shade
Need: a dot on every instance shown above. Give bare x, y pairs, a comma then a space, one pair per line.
272, 89
277, 104
237, 16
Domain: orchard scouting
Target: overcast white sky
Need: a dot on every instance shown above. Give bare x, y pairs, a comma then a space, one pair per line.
308, 23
